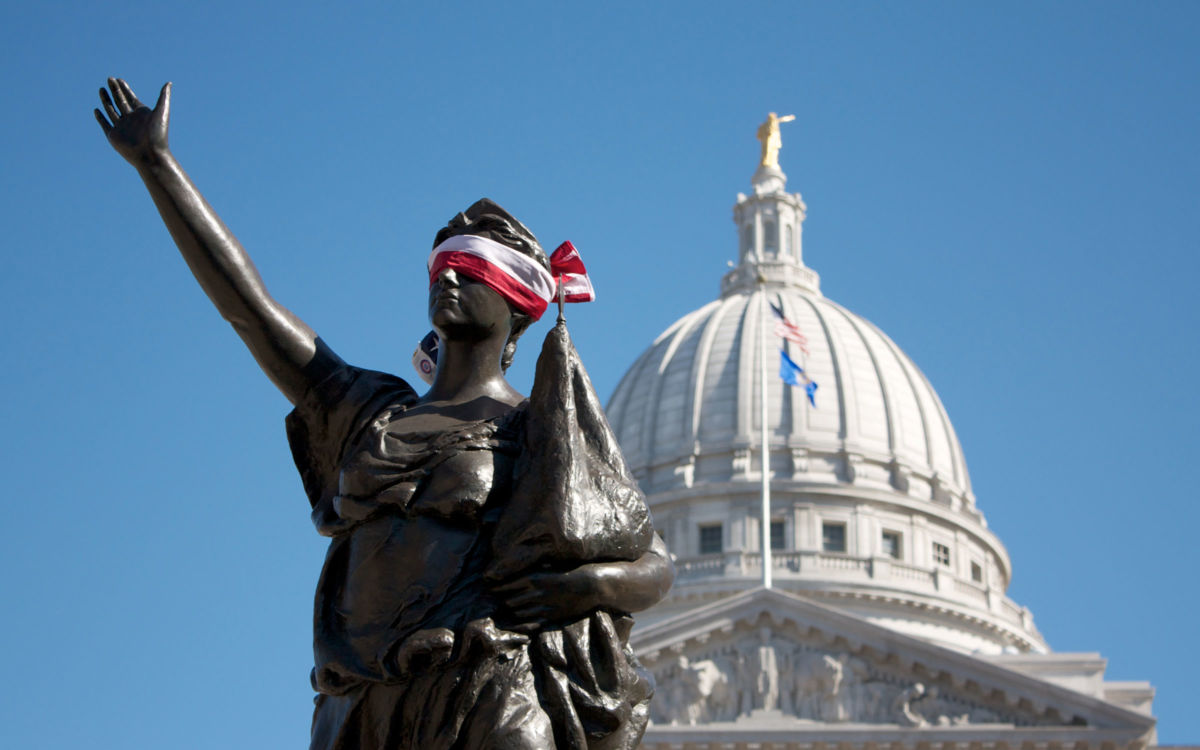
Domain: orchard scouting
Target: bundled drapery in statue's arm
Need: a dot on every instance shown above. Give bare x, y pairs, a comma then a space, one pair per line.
574, 502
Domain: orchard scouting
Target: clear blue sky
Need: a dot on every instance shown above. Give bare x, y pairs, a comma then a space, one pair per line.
1010, 190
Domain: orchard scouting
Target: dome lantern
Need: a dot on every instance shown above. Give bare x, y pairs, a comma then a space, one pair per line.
770, 222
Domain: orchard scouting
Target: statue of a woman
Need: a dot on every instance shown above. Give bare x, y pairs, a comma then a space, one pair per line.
768, 135
485, 549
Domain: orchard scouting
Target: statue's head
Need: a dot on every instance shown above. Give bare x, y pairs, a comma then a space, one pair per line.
485, 218
515, 248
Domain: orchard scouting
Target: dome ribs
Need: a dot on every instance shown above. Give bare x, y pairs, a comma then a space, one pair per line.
941, 442
633, 401
893, 420
865, 431
910, 444
746, 370
673, 391
700, 371
618, 408
652, 411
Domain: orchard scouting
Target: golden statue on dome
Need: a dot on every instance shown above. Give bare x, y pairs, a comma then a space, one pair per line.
768, 135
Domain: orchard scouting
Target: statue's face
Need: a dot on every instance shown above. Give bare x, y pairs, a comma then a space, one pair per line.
465, 309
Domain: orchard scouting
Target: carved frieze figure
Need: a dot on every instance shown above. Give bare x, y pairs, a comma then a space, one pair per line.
817, 686
766, 672
485, 549
902, 706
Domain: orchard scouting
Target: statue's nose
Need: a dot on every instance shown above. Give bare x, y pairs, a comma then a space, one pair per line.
449, 279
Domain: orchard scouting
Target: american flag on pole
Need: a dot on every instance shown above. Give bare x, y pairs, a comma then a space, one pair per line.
786, 329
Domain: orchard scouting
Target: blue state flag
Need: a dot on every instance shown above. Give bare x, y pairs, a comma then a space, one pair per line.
793, 374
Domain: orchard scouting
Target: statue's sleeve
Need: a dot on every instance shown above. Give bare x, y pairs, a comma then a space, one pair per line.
574, 500
329, 415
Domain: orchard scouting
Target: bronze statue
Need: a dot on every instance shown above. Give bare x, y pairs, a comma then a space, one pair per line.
485, 549
768, 135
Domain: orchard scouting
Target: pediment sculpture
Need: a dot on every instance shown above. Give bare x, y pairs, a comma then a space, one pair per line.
767, 673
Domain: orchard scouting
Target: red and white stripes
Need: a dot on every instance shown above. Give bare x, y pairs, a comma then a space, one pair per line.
515, 276
521, 280
567, 267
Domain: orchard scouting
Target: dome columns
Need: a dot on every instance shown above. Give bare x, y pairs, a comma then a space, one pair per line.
771, 228
770, 235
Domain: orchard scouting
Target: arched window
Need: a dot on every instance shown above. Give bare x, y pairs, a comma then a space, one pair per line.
770, 238
787, 241
747, 240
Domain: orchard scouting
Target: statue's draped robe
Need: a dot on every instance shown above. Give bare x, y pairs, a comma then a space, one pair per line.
423, 525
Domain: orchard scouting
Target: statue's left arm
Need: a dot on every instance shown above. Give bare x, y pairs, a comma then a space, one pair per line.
613, 586
289, 352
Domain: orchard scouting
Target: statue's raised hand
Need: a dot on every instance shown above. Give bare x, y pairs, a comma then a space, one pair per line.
137, 132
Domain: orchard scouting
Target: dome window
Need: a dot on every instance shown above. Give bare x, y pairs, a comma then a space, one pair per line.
770, 238
892, 546
941, 554
712, 539
976, 572
833, 537
778, 534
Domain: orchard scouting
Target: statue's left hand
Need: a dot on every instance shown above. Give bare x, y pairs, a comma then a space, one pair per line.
613, 586
556, 597
138, 133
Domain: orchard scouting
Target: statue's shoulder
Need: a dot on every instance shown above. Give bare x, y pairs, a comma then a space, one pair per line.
351, 388
331, 413
374, 384
336, 407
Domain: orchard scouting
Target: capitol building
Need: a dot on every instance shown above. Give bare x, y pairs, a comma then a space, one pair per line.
880, 619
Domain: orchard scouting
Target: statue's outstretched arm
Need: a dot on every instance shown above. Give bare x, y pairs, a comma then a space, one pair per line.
614, 586
286, 349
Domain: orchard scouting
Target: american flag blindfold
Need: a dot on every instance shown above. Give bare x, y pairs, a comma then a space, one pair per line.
521, 280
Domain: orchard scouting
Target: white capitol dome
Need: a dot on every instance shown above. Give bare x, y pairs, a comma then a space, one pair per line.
871, 503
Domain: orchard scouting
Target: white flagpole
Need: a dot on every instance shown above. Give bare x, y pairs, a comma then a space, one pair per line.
764, 446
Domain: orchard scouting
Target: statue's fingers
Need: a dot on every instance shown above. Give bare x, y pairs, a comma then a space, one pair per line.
163, 106
100, 118
512, 587
106, 100
118, 95
130, 97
